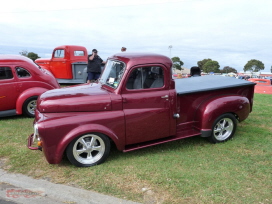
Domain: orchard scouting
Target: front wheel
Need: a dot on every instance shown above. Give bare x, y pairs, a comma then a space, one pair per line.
29, 106
88, 150
223, 128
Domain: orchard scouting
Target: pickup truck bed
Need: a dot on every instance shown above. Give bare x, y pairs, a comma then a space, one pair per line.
208, 83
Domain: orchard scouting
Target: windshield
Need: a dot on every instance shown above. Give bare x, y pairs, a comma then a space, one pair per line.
113, 73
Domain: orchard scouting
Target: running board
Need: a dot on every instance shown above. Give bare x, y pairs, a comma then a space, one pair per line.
180, 135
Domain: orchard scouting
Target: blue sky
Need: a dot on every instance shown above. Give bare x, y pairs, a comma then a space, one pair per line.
231, 32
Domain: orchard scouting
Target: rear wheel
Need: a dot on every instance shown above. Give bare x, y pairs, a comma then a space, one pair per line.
29, 106
224, 128
88, 150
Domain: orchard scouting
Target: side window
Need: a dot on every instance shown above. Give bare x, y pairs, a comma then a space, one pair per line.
5, 73
261, 81
79, 53
59, 54
21, 72
146, 78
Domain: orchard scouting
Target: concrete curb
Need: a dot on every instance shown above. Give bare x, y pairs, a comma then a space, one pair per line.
12, 185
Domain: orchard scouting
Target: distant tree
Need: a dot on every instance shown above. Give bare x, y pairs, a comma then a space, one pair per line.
31, 55
24, 53
201, 63
177, 63
211, 66
228, 69
254, 66
271, 69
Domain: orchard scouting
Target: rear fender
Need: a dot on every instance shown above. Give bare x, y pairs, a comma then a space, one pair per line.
36, 91
212, 108
81, 130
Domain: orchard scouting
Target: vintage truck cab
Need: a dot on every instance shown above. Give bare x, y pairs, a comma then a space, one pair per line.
68, 64
136, 104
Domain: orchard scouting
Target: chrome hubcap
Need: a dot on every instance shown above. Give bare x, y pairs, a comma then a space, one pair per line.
88, 149
31, 106
223, 129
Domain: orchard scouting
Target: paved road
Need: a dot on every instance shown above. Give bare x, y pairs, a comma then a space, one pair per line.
20, 189
6, 201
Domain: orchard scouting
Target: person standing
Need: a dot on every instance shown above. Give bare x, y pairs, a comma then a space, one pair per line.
123, 49
94, 66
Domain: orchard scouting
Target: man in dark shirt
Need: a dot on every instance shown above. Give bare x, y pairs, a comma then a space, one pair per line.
123, 49
94, 66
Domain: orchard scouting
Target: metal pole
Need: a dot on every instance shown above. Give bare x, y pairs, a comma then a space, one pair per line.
170, 47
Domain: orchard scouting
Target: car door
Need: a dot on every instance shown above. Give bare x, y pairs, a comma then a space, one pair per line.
9, 88
146, 105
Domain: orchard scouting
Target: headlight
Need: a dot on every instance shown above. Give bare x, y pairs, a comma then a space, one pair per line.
36, 133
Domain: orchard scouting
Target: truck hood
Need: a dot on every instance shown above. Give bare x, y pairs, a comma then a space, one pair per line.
81, 98
42, 60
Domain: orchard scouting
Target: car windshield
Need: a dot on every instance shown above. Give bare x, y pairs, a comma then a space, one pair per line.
112, 73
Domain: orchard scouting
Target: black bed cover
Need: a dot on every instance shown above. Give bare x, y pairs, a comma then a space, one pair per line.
208, 83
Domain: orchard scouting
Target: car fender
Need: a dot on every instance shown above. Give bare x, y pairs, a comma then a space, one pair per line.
57, 155
212, 108
35, 91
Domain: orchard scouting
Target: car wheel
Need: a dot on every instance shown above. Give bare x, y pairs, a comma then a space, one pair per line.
88, 150
29, 106
223, 128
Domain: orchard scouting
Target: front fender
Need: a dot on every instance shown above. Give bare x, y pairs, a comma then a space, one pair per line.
54, 157
212, 108
36, 91
57, 130
85, 129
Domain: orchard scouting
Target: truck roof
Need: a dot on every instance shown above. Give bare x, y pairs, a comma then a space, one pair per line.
142, 58
74, 47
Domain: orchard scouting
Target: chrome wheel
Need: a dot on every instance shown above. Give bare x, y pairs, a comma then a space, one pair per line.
31, 106
88, 150
223, 129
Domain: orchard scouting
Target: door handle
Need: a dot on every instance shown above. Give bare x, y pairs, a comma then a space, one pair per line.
166, 96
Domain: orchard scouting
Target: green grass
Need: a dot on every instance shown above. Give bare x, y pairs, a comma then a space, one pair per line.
187, 171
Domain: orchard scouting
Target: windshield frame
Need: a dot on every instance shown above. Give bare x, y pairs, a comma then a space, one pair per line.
107, 77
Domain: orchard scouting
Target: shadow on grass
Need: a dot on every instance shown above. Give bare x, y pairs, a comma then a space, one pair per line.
15, 117
183, 144
115, 154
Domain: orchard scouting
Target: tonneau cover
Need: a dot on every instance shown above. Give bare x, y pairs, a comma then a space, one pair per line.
208, 83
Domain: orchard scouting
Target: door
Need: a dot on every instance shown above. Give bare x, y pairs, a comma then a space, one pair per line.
60, 66
9, 89
146, 105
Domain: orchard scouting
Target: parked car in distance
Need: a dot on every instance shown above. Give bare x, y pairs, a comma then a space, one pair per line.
262, 85
21, 82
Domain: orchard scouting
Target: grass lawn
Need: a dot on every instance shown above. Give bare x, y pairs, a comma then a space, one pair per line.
191, 170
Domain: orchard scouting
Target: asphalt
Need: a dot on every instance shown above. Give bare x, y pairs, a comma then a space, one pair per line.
21, 189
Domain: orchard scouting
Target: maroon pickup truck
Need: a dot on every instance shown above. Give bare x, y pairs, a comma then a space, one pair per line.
136, 104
